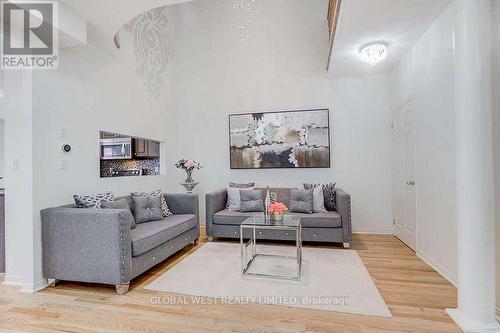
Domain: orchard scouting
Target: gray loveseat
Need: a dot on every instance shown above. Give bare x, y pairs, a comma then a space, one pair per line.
98, 246
332, 226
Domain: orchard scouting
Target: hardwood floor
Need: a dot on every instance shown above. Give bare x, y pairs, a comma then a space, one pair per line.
415, 293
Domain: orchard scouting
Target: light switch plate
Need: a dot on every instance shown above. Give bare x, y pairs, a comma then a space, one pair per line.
63, 164
14, 164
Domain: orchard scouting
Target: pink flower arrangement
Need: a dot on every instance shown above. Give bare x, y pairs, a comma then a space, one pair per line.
277, 207
188, 165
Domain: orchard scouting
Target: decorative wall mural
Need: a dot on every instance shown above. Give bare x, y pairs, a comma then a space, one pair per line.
153, 48
287, 139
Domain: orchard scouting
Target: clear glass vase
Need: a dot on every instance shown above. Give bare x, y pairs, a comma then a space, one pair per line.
277, 216
189, 176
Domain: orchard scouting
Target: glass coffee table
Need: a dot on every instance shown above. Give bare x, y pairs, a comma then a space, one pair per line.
289, 223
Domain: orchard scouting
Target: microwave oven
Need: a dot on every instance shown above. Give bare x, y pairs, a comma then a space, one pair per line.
116, 149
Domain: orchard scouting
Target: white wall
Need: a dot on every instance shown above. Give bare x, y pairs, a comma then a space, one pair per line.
281, 67
2, 96
91, 91
19, 178
495, 6
426, 75
2, 153
363, 149
2, 132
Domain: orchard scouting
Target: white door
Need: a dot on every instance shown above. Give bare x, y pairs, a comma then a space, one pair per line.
403, 124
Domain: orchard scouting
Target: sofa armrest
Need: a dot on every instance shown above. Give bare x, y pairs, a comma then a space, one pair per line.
183, 203
215, 202
343, 203
87, 245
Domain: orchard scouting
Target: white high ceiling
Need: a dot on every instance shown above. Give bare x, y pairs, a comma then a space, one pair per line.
398, 23
107, 16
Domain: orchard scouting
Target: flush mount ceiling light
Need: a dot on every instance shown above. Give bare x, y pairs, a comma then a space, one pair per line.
373, 53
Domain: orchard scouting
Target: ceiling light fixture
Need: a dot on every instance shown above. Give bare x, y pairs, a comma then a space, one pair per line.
246, 10
373, 53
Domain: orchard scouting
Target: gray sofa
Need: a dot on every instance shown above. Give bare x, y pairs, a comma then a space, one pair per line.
98, 246
332, 226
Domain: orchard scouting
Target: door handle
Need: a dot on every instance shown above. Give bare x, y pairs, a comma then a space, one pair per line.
410, 182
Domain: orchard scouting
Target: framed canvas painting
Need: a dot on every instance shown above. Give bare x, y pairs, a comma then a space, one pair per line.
282, 139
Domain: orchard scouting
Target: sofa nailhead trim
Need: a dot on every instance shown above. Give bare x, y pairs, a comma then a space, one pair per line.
123, 222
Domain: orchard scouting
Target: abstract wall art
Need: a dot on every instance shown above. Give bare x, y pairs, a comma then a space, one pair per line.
284, 139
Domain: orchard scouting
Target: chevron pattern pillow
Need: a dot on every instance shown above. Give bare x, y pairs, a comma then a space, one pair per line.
93, 201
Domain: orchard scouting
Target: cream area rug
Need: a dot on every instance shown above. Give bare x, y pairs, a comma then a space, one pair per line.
332, 279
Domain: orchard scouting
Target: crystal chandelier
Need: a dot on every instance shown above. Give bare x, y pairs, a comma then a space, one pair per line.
373, 53
246, 9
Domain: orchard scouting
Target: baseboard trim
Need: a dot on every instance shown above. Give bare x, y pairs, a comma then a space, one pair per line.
12, 280
438, 267
34, 287
372, 231
25, 287
468, 325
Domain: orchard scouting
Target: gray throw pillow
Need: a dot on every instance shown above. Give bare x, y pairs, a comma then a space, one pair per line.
238, 185
164, 206
318, 200
251, 201
329, 194
147, 208
301, 201
119, 204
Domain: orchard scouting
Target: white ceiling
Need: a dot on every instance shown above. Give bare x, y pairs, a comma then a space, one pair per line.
107, 16
398, 23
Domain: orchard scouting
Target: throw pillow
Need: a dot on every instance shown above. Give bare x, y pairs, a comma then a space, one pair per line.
119, 204
318, 200
329, 194
234, 199
164, 207
251, 200
93, 201
301, 201
274, 197
147, 208
239, 185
